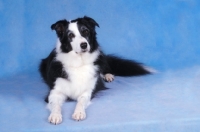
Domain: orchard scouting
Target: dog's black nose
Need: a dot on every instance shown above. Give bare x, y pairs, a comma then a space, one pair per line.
84, 45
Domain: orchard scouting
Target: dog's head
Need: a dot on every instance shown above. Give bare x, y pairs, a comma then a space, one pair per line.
78, 35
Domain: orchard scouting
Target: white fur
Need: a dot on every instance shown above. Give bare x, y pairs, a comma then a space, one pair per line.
79, 85
149, 69
78, 39
109, 77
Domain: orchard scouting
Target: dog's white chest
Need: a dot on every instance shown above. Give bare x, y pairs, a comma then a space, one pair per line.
81, 73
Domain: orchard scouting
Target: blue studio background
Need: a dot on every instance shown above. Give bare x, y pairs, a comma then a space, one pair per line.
163, 34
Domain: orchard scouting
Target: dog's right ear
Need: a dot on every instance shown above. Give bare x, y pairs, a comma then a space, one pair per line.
60, 27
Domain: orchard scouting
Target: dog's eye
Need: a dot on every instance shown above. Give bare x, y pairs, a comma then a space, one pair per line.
85, 32
71, 35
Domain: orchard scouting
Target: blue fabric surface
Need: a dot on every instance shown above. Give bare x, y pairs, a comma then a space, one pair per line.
163, 34
162, 102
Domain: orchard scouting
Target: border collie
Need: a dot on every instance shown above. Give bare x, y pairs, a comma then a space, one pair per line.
76, 69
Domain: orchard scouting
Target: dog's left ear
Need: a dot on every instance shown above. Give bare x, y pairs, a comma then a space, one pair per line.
91, 21
60, 27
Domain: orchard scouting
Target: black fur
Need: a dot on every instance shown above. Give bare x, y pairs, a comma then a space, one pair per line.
124, 67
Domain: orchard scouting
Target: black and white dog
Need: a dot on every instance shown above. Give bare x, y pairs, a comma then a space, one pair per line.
76, 68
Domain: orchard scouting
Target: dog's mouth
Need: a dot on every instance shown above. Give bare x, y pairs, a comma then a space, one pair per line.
82, 51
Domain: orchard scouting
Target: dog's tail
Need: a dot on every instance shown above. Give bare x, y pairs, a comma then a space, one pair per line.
124, 67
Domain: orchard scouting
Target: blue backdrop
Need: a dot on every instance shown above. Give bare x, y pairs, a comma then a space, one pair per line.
162, 34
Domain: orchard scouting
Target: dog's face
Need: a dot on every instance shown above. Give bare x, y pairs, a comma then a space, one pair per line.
77, 35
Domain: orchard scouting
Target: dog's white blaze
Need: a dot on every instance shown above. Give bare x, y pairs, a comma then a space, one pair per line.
78, 39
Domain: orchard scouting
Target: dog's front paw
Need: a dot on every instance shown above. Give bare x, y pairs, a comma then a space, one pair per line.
79, 115
108, 77
55, 118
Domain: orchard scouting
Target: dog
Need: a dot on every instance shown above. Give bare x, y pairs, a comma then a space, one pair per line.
77, 68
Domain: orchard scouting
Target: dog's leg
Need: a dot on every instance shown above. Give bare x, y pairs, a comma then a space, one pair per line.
56, 100
82, 103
